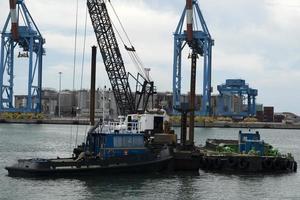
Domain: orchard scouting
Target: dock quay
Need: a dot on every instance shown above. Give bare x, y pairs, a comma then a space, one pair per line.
252, 125
216, 124
61, 121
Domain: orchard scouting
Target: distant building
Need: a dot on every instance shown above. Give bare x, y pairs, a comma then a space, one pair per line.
110, 107
268, 114
20, 101
78, 104
49, 101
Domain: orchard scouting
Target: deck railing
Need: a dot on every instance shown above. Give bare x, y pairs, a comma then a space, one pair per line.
120, 127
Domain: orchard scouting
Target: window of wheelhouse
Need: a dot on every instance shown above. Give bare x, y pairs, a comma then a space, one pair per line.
158, 124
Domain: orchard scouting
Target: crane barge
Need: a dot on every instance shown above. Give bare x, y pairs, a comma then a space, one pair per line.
111, 147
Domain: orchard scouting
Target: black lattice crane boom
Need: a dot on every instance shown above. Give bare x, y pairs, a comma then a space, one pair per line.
111, 55
127, 102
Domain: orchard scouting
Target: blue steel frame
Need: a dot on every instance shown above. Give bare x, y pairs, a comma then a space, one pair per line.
204, 41
236, 87
31, 41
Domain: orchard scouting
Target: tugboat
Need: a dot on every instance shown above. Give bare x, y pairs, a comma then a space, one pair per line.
248, 154
125, 146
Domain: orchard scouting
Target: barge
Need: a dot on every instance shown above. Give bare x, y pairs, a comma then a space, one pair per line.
248, 154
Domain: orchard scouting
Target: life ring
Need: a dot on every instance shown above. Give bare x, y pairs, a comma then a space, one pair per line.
267, 164
243, 163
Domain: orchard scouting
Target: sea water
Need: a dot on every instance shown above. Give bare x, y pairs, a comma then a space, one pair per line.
50, 141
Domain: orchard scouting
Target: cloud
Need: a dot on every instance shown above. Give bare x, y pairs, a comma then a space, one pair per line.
255, 40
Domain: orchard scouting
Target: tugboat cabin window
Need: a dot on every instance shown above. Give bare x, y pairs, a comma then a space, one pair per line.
128, 141
158, 124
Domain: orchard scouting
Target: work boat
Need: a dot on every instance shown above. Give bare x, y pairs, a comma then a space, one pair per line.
125, 146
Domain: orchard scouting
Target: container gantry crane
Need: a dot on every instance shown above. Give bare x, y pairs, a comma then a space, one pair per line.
25, 34
200, 42
236, 88
127, 102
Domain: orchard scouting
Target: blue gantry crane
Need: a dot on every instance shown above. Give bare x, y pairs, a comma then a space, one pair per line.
23, 35
236, 90
198, 38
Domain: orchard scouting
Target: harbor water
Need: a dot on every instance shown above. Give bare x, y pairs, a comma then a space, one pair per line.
49, 141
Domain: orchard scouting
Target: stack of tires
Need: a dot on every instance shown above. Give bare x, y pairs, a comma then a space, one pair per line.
270, 164
247, 164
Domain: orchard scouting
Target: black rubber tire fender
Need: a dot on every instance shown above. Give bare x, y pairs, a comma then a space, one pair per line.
204, 162
267, 163
277, 164
208, 162
295, 166
217, 163
243, 163
232, 162
288, 165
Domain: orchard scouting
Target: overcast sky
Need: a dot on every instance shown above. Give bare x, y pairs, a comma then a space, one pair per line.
256, 40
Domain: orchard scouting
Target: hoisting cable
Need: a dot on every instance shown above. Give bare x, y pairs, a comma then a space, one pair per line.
83, 50
74, 68
118, 33
82, 67
75, 46
131, 50
120, 24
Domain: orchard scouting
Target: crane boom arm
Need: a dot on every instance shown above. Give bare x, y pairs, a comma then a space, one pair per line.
111, 55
